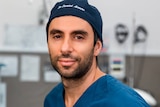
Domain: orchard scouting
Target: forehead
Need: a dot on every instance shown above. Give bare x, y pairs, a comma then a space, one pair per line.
70, 22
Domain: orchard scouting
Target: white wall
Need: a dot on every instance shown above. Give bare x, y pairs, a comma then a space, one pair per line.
113, 12
145, 12
18, 12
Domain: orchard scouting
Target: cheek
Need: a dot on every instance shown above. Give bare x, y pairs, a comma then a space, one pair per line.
82, 48
84, 51
52, 44
52, 49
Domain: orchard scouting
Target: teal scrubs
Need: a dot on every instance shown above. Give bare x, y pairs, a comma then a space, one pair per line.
105, 92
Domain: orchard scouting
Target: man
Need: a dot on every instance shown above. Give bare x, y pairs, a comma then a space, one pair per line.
74, 36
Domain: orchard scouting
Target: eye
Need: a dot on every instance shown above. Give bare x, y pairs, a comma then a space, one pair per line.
79, 34
79, 37
57, 36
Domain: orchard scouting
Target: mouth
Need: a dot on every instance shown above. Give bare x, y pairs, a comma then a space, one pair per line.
67, 62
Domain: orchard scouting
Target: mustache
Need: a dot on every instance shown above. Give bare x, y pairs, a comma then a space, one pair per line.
67, 56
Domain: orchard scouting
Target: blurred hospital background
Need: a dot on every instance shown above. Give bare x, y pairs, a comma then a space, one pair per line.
131, 51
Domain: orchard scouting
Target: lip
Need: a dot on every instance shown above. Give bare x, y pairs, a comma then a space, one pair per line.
67, 61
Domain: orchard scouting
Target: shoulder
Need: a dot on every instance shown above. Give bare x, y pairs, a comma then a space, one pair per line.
114, 92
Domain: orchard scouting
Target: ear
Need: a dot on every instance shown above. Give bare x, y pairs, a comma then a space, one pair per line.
97, 48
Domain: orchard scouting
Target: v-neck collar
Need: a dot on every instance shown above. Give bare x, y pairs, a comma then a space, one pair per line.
89, 95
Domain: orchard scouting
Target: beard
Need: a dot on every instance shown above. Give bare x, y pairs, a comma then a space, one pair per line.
76, 73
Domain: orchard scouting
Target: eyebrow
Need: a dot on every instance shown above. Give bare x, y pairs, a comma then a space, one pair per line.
80, 32
54, 31
83, 32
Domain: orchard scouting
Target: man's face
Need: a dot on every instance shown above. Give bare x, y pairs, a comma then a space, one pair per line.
71, 46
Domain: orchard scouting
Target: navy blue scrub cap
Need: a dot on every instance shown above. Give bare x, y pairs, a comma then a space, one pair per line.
81, 9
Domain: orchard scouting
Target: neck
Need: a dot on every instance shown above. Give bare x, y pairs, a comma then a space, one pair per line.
75, 88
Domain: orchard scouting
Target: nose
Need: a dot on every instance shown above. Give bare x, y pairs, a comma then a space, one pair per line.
66, 46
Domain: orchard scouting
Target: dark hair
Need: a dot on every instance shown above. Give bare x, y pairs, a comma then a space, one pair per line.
96, 38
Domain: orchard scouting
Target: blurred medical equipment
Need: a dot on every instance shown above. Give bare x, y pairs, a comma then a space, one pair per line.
147, 96
1, 65
139, 35
2, 89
